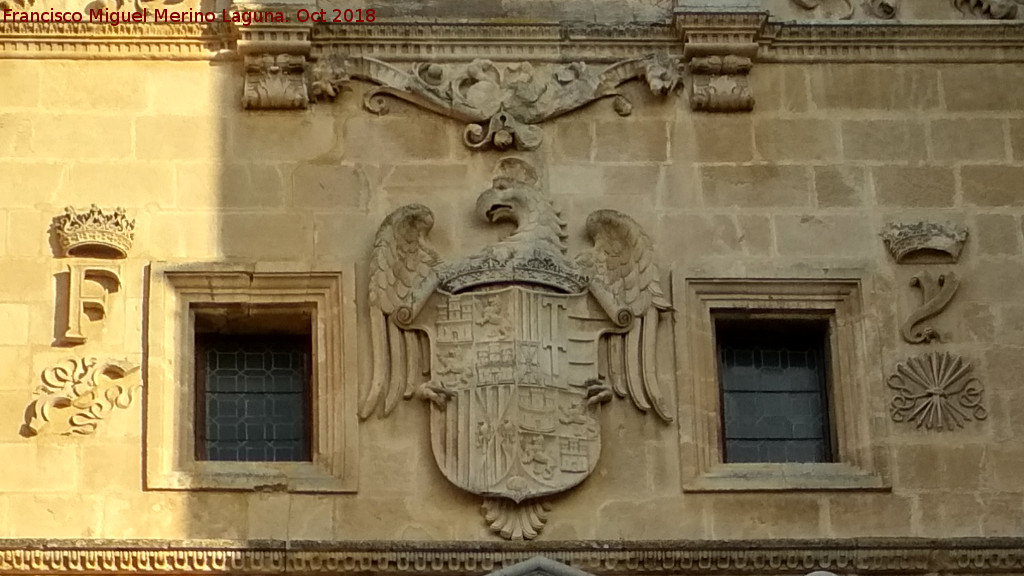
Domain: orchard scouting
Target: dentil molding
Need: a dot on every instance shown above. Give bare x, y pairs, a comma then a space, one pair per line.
966, 33
905, 556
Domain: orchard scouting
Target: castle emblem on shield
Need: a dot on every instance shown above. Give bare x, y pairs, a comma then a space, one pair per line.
515, 347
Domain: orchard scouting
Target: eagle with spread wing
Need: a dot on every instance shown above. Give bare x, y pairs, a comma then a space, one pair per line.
618, 271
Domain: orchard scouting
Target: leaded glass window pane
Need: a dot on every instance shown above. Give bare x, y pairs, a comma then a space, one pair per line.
773, 390
252, 398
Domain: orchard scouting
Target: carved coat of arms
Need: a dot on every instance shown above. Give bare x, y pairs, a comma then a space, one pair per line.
517, 346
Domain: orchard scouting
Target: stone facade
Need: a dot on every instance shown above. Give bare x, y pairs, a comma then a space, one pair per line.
829, 157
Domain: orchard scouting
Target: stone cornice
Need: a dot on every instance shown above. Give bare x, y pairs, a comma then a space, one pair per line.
903, 556
496, 42
806, 41
973, 41
87, 41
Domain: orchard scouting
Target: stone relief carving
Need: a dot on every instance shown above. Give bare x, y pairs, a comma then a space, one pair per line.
995, 9
936, 292
85, 390
719, 84
524, 343
100, 236
685, 558
845, 9
924, 242
17, 5
884, 9
539, 566
936, 391
275, 81
501, 105
88, 286
94, 232
515, 521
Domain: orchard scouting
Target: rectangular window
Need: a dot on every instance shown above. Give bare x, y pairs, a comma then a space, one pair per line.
782, 386
252, 398
251, 377
772, 374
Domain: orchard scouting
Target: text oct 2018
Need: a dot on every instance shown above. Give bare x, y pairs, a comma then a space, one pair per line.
348, 16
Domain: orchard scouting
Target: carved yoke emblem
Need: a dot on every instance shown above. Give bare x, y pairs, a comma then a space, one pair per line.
517, 346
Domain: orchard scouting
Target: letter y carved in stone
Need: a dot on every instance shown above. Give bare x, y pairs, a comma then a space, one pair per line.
936, 292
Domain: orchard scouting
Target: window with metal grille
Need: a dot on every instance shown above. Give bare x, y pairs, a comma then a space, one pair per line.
774, 393
253, 397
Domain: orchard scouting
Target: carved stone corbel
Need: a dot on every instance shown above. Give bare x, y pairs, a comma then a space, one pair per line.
720, 44
275, 59
501, 104
719, 84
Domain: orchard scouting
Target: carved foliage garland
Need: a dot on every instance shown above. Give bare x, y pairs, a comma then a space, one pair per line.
75, 387
501, 106
936, 391
845, 9
997, 9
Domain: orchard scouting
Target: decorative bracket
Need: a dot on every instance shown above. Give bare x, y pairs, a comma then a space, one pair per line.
720, 44
275, 58
501, 105
719, 84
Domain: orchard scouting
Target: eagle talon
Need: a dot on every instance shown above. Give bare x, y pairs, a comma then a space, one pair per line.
598, 392
435, 393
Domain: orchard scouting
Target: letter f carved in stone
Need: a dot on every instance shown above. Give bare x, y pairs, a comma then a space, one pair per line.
88, 287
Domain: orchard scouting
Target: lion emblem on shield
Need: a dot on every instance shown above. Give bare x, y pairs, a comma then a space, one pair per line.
515, 347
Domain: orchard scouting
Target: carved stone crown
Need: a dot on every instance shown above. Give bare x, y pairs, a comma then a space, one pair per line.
94, 232
924, 240
539, 268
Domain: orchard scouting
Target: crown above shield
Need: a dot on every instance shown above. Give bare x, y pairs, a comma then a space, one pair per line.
539, 268
94, 232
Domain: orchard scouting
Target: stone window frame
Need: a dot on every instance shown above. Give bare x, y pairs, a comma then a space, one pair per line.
170, 369
861, 463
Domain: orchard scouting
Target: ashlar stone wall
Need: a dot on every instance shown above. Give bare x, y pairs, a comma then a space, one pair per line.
800, 188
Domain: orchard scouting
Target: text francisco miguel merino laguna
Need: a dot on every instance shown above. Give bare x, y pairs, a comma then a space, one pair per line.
157, 15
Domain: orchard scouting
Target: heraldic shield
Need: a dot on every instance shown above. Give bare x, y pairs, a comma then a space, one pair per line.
515, 347
518, 363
